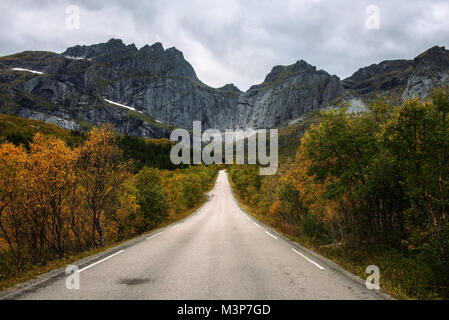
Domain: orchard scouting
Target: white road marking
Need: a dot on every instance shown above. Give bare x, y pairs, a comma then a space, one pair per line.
256, 225
271, 235
248, 218
93, 264
313, 262
155, 235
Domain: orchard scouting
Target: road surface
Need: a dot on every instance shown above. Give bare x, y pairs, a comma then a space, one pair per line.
218, 253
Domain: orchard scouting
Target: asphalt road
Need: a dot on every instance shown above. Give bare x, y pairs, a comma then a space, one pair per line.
218, 253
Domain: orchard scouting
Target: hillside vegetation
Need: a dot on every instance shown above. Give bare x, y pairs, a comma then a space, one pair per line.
64, 193
368, 188
21, 131
141, 151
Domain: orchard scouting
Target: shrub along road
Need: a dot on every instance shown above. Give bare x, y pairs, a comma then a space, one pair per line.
218, 253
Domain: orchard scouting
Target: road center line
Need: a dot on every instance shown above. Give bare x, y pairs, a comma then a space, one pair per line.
271, 235
256, 225
313, 262
155, 235
93, 264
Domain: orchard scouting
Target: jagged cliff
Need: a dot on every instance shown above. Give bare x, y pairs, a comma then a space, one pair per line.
148, 91
287, 93
401, 79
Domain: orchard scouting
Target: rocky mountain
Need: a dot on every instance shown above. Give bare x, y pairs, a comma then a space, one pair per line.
148, 91
286, 93
399, 80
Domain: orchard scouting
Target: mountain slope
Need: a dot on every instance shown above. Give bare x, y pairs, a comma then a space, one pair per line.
401, 79
64, 93
289, 92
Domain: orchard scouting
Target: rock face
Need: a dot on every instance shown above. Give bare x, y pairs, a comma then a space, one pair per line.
65, 95
384, 77
430, 70
401, 79
287, 93
156, 89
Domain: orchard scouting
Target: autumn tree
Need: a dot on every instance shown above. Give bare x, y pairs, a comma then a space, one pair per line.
12, 227
50, 178
152, 197
417, 138
101, 172
124, 220
57, 199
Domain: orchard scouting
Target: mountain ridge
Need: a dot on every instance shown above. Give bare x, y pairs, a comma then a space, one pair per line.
155, 89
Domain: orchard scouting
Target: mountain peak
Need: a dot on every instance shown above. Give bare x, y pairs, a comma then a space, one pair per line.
435, 58
279, 71
174, 51
154, 49
230, 87
157, 46
302, 66
96, 50
434, 51
113, 41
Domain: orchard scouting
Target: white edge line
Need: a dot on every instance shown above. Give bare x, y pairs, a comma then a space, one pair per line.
256, 225
155, 235
313, 262
93, 264
271, 235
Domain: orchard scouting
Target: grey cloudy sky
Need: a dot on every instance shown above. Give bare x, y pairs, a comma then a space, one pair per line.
236, 41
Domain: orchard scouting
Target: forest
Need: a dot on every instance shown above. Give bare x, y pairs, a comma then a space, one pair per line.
362, 189
63, 193
367, 188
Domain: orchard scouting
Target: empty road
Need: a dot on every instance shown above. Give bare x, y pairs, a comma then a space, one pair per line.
218, 253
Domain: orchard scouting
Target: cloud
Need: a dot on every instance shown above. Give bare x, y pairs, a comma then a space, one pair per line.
236, 41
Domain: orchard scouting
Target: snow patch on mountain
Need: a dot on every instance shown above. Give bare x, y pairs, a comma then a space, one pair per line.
121, 105
76, 58
27, 70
